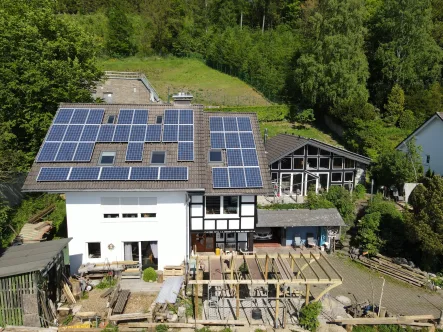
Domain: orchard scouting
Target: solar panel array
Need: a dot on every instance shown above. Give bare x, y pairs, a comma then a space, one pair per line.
163, 173
179, 127
235, 135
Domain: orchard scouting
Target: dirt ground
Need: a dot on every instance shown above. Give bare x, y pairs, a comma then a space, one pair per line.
94, 302
139, 303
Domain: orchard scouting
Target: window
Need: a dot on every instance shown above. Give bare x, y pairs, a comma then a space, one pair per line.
323, 181
274, 165
348, 186
300, 152
159, 119
230, 204
111, 215
336, 177
94, 250
285, 163
349, 163
107, 158
349, 176
148, 215
312, 150
298, 163
158, 157
129, 215
111, 119
428, 159
213, 205
324, 152
312, 163
274, 176
337, 162
215, 156
324, 163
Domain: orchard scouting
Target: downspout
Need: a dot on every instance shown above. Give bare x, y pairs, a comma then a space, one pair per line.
188, 199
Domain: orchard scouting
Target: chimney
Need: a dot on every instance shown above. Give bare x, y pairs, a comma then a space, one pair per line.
182, 98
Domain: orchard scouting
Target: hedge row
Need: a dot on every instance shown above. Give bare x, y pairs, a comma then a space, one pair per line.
264, 113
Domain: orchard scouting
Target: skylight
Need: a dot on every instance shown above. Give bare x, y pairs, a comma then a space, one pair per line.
107, 158
158, 157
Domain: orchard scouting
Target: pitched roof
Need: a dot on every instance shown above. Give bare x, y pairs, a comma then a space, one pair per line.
281, 145
199, 170
436, 115
30, 257
299, 217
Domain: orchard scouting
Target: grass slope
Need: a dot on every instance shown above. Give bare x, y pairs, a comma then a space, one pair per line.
209, 86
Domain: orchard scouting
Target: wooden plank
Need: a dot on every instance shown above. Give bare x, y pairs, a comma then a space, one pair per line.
196, 314
107, 292
237, 302
125, 317
307, 294
218, 322
385, 320
121, 302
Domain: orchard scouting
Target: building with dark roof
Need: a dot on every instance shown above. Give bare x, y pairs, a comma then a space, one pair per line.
429, 137
149, 182
298, 164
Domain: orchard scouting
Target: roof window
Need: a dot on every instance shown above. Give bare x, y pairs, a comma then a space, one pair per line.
215, 156
107, 158
159, 120
111, 119
158, 157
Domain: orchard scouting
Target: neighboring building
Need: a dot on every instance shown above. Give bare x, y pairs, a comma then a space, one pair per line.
429, 136
322, 224
150, 182
126, 88
296, 163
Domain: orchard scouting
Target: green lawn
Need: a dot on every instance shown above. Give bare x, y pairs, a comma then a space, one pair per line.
209, 86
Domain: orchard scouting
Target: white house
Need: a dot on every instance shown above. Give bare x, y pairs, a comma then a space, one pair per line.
430, 137
150, 182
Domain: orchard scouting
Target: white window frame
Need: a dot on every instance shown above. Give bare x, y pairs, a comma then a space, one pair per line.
329, 162
341, 179
107, 154
293, 163
307, 163
348, 181
275, 163
286, 169
155, 152
87, 250
327, 182
342, 162
307, 150
221, 215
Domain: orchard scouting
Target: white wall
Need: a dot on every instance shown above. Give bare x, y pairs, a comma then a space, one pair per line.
430, 138
87, 224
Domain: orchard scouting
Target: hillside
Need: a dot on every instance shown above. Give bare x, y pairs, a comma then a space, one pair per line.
209, 86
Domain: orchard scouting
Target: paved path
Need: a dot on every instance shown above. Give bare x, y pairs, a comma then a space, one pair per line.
140, 286
398, 297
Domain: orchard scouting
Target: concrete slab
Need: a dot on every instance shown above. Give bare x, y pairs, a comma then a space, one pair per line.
140, 286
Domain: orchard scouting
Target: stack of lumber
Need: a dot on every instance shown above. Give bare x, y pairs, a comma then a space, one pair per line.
126, 317
173, 271
69, 296
401, 272
121, 302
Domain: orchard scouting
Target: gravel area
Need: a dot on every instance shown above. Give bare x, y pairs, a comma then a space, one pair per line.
94, 302
139, 303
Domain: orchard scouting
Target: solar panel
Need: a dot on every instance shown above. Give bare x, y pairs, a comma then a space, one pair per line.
232, 140
134, 151
106, 133
79, 116
115, 173
66, 151
84, 152
230, 123
170, 133
185, 151
56, 133
216, 123
253, 177
186, 133
173, 173
247, 141
137, 133
121, 133
237, 177
218, 141
84, 173
73, 133
244, 124
153, 133
249, 157
64, 115
220, 178
48, 152
186, 117
95, 116
234, 157
125, 116
89, 133
53, 174
144, 173
140, 117
171, 117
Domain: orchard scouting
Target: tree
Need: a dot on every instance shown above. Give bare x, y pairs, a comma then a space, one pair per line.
342, 200
396, 104
43, 61
368, 235
331, 68
309, 316
119, 43
306, 116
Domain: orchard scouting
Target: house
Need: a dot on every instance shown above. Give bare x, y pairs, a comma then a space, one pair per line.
429, 136
149, 182
31, 277
298, 164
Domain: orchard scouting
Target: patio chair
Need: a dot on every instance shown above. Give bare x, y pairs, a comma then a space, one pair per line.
213, 302
298, 242
310, 241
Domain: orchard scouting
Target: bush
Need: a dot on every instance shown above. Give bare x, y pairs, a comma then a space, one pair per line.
309, 316
107, 282
264, 113
360, 191
149, 274
161, 327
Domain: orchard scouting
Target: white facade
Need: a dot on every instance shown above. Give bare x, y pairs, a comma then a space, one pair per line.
87, 224
430, 137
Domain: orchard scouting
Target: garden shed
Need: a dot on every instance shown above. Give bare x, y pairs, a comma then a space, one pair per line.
31, 282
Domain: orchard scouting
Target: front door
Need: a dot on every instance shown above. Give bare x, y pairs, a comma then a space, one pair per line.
203, 242
291, 183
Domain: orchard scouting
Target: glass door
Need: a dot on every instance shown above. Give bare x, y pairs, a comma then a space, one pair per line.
285, 183
297, 184
311, 183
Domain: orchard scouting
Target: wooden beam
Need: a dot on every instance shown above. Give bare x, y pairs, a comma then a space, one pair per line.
407, 320
217, 322
196, 301
307, 294
232, 267
277, 302
313, 256
310, 266
327, 289
300, 270
209, 268
247, 265
266, 267
332, 267
237, 303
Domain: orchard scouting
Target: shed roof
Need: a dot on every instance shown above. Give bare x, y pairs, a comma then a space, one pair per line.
299, 217
30, 257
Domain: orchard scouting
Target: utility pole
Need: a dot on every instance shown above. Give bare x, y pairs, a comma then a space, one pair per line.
381, 295
263, 26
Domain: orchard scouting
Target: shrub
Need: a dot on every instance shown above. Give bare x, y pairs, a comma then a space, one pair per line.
309, 316
161, 327
149, 274
360, 191
226, 329
106, 282
203, 329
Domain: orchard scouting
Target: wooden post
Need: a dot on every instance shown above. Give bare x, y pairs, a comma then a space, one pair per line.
196, 302
237, 307
277, 302
231, 265
266, 268
307, 294
348, 328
